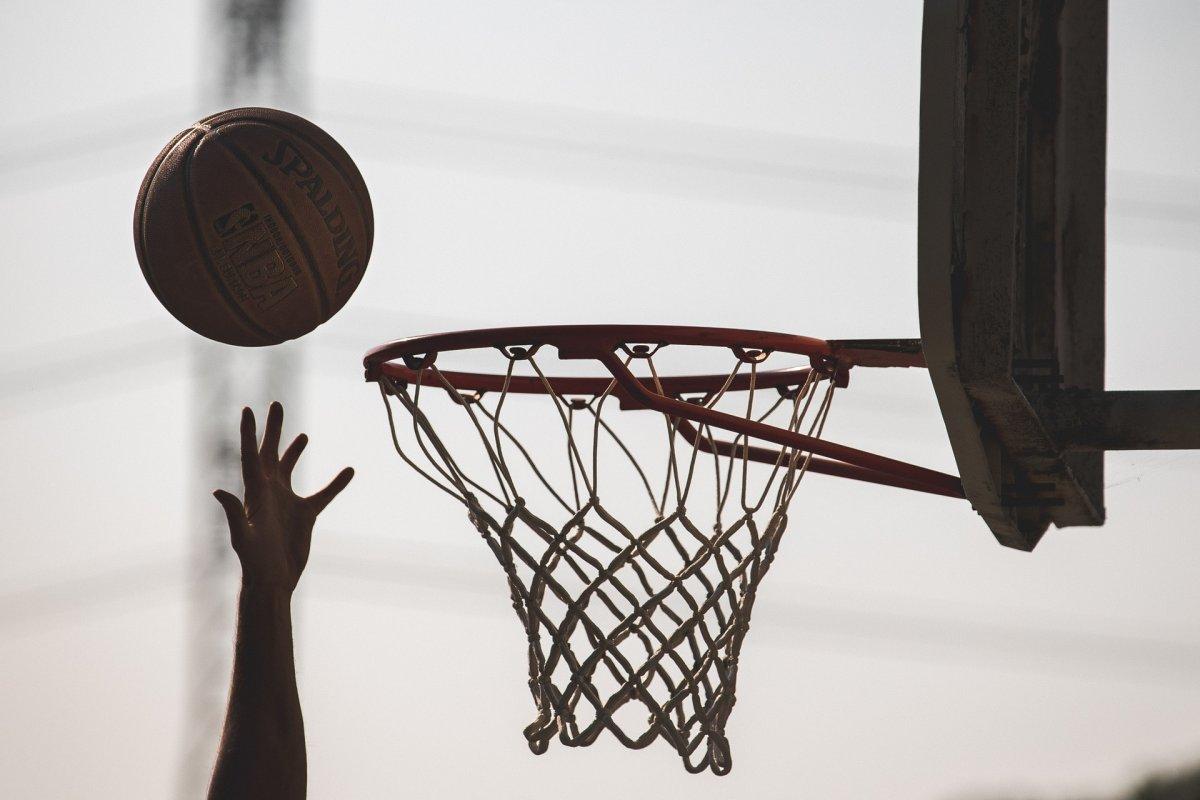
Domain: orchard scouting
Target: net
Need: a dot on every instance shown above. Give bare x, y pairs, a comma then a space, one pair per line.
635, 607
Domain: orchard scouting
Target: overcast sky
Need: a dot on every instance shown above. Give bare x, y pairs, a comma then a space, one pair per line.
743, 164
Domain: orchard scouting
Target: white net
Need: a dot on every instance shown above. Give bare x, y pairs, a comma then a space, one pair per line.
634, 608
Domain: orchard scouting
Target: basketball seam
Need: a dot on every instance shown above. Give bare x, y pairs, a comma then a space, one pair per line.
210, 268
314, 272
142, 211
368, 214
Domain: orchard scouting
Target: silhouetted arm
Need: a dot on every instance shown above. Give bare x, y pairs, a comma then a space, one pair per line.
262, 749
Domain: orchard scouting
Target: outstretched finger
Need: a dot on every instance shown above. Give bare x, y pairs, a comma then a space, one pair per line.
235, 513
287, 462
250, 467
324, 497
271, 433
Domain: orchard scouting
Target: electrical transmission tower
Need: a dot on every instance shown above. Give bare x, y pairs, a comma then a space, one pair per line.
253, 63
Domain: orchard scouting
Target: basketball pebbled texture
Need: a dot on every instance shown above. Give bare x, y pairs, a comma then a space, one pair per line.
253, 226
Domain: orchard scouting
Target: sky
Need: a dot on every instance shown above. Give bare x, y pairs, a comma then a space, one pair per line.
740, 164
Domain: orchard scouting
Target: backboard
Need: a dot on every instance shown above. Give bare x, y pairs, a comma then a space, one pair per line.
1011, 252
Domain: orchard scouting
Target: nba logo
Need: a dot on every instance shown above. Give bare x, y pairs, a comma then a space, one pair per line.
236, 220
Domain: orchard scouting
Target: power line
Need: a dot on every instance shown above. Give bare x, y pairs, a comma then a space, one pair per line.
85, 135
89, 145
87, 357
105, 362
67, 599
685, 157
1051, 648
39, 128
778, 158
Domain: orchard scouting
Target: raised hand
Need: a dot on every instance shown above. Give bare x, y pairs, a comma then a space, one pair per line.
272, 530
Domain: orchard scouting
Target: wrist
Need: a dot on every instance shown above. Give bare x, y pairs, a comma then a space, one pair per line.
265, 589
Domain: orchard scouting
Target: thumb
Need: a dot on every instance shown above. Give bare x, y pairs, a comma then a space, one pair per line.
235, 512
324, 497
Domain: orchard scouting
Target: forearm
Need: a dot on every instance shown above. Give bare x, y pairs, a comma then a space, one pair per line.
262, 749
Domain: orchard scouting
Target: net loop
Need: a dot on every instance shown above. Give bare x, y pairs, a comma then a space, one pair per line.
519, 352
640, 351
751, 355
420, 361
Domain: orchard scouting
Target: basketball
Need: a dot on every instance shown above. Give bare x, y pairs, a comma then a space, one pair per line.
253, 226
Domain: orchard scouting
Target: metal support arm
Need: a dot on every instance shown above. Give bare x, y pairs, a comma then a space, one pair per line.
1082, 419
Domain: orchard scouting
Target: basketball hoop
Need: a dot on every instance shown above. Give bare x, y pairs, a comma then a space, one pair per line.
632, 609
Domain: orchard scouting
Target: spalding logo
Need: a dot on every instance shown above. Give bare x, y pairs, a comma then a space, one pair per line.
291, 163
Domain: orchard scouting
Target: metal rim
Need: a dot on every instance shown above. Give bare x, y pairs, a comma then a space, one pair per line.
593, 341
407, 360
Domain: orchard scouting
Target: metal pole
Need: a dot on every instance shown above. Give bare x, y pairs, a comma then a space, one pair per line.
253, 63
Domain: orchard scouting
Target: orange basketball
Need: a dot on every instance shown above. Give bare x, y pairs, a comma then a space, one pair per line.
253, 226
